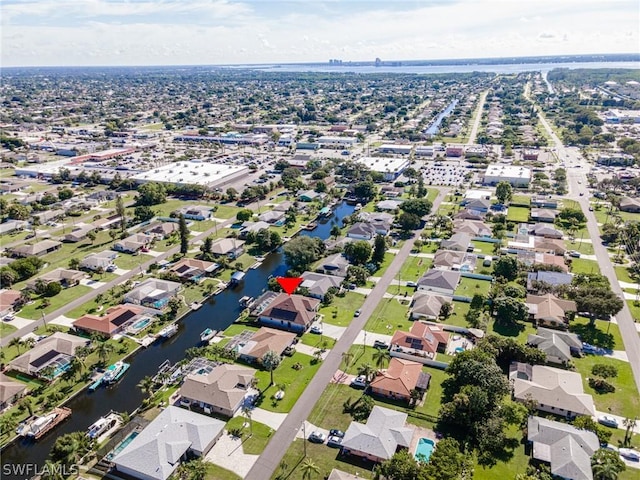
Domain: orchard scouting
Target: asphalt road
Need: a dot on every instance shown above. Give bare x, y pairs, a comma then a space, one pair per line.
572, 157
270, 458
477, 119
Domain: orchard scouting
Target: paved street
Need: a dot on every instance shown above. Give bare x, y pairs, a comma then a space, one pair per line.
625, 321
476, 123
266, 465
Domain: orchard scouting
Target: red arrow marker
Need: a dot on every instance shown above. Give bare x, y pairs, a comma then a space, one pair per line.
289, 284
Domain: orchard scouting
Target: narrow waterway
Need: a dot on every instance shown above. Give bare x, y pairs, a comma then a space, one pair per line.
218, 313
434, 128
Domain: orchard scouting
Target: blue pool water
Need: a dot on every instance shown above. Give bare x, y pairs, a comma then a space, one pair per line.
424, 449
459, 349
140, 324
122, 445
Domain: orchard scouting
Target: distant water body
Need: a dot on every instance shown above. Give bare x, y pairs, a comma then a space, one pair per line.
430, 69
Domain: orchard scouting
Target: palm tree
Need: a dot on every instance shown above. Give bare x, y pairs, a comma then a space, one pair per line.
309, 469
247, 412
29, 342
416, 396
365, 369
146, 385
52, 471
47, 373
347, 358
270, 362
630, 425
16, 342
381, 358
606, 465
8, 424
104, 349
335, 232
194, 469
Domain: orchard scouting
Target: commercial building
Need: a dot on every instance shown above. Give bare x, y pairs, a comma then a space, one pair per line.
391, 168
516, 176
193, 172
399, 149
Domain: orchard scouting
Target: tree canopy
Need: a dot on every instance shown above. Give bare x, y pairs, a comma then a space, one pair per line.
300, 252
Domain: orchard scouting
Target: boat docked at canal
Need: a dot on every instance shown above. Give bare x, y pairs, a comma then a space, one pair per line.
111, 375
207, 335
168, 331
103, 425
39, 426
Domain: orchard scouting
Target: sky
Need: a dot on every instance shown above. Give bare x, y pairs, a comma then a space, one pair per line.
206, 32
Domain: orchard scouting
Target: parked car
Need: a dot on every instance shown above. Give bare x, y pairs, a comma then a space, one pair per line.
608, 421
357, 313
334, 442
630, 454
8, 317
381, 345
316, 328
317, 437
359, 382
334, 432
412, 284
574, 254
111, 268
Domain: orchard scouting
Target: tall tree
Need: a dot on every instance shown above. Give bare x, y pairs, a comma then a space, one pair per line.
381, 358
606, 464
309, 469
184, 235
504, 192
358, 252
120, 211
335, 231
270, 361
379, 249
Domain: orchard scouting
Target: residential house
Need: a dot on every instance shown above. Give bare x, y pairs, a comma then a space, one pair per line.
79, 233
252, 227
473, 228
116, 320
56, 351
174, 436
380, 220
542, 230
10, 391
133, 243
549, 310
630, 205
335, 264
193, 270
389, 191
153, 293
319, 284
459, 242
567, 449
362, 231
264, 340
544, 202
399, 379
38, 249
439, 281
47, 215
545, 215
309, 196
537, 258
340, 475
228, 247
388, 205
284, 206
468, 214
294, 313
8, 300
534, 279
384, 434
454, 260
221, 391
421, 343
557, 345
477, 204
11, 226
106, 222
556, 391
549, 245
96, 261
272, 216
161, 231
64, 276
427, 305
195, 212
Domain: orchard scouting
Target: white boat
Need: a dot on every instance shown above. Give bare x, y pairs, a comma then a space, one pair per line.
168, 331
39, 424
114, 372
102, 425
358, 207
207, 335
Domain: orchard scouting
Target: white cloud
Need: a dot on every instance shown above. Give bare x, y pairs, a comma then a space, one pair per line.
79, 32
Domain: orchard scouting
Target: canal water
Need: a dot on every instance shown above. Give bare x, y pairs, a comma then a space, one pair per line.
218, 314
435, 125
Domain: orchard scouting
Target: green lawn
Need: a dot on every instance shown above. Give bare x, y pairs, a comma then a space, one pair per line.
624, 401
521, 333
521, 200
413, 268
340, 311
623, 275
389, 313
635, 309
602, 334
470, 286
580, 265
295, 382
586, 248
215, 472
484, 247
35, 310
6, 329
518, 214
405, 292
129, 262
238, 328
433, 193
460, 309
255, 435
317, 341
388, 258
516, 464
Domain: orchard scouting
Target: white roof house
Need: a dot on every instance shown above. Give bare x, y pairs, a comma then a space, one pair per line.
391, 168
158, 450
515, 175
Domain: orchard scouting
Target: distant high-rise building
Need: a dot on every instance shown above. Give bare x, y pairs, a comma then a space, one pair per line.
378, 62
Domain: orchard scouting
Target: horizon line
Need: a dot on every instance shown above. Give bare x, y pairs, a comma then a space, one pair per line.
635, 57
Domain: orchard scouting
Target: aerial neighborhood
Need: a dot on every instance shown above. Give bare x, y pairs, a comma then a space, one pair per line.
465, 251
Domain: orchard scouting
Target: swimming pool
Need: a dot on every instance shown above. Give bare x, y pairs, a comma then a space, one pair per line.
459, 349
122, 445
139, 325
424, 449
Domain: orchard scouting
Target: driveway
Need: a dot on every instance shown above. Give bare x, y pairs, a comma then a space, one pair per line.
228, 453
370, 338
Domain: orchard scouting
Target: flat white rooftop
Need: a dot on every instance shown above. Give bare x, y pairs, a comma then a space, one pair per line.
508, 171
477, 194
191, 172
396, 146
384, 164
